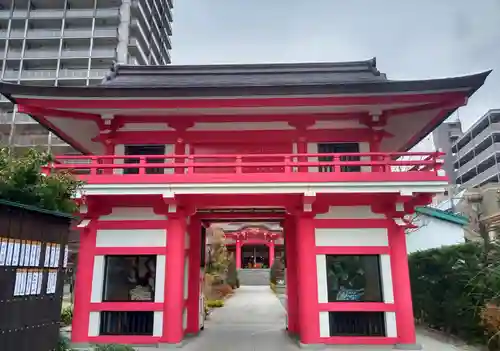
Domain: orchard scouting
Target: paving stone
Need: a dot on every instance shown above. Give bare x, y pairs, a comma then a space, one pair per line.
253, 319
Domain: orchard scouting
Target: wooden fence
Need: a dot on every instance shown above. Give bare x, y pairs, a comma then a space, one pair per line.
33, 257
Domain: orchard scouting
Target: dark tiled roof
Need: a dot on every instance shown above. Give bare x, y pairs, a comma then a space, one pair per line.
358, 77
244, 75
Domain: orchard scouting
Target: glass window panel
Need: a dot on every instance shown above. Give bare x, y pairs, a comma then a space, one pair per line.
353, 278
129, 278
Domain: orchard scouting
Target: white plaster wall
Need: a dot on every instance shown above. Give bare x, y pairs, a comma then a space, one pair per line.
160, 278
351, 237
349, 212
239, 126
97, 279
386, 275
391, 330
132, 214
312, 148
324, 324
340, 124
365, 147
186, 277
322, 279
158, 323
119, 150
433, 233
131, 238
184, 319
169, 150
94, 323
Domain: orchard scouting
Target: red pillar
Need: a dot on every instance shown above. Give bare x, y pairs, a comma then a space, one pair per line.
302, 149
193, 322
271, 253
307, 280
109, 149
83, 285
401, 285
238, 254
174, 280
291, 275
180, 150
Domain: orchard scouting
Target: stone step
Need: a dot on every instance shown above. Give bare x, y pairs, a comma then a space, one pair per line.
248, 276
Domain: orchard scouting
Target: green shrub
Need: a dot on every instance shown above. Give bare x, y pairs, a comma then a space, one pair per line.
63, 344
67, 315
22, 181
215, 303
277, 271
114, 347
451, 286
232, 273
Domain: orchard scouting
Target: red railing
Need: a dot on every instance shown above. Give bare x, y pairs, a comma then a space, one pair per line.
175, 165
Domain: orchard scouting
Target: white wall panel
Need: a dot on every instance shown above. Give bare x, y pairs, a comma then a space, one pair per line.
132, 214
391, 330
324, 324
186, 276
239, 126
351, 237
94, 323
97, 279
365, 147
349, 212
312, 148
321, 275
160, 278
386, 273
158, 323
184, 319
131, 238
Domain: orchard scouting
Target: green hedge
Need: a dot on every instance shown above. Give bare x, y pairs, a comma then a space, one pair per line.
450, 286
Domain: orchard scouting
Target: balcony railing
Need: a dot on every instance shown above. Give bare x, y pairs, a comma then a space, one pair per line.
411, 166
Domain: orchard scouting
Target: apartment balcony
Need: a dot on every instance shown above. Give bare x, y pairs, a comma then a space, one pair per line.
373, 170
53, 74
482, 177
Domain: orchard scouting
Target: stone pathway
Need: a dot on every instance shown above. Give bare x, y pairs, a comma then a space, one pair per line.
254, 319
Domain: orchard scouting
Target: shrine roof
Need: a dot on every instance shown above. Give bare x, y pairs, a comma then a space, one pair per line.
356, 93
234, 80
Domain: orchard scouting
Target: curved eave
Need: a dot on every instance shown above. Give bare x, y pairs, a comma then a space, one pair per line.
468, 83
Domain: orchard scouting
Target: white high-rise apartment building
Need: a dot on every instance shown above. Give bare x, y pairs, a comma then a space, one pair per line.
73, 42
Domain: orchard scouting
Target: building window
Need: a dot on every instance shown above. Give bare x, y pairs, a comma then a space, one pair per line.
354, 278
129, 278
146, 150
334, 148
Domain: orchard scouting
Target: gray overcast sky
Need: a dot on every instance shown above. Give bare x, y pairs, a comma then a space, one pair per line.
412, 39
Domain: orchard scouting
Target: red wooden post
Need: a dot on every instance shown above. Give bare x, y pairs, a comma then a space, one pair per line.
302, 150
174, 280
291, 274
83, 285
401, 283
238, 253
307, 282
142, 163
239, 169
179, 150
271, 253
193, 322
